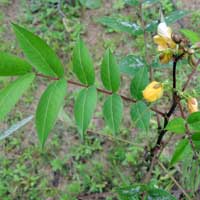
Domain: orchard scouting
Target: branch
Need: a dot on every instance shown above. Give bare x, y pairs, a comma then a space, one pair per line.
145, 39
125, 98
188, 132
190, 76
114, 138
60, 9
102, 195
157, 149
171, 110
174, 180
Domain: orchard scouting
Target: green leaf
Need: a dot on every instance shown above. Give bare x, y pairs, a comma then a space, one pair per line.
39, 54
82, 63
194, 121
118, 24
158, 194
15, 127
192, 36
110, 74
176, 15
92, 4
140, 115
12, 93
131, 64
113, 112
149, 2
48, 108
181, 149
132, 192
170, 19
11, 65
84, 108
132, 2
139, 83
177, 125
196, 140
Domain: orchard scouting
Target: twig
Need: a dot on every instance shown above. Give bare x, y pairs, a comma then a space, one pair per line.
164, 145
181, 110
171, 110
176, 7
174, 180
125, 98
48, 77
157, 149
182, 113
190, 76
60, 9
149, 174
114, 138
94, 196
145, 40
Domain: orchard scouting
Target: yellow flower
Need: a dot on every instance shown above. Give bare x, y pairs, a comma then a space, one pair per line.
164, 42
192, 105
153, 91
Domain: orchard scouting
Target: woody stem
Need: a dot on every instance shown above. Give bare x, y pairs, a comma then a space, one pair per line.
125, 98
175, 99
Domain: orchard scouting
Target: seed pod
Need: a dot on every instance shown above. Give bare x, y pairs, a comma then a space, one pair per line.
153, 91
192, 60
192, 105
191, 51
196, 45
176, 37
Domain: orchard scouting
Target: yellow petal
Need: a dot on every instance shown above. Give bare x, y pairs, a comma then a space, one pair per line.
165, 58
153, 91
159, 40
162, 47
164, 43
170, 43
192, 105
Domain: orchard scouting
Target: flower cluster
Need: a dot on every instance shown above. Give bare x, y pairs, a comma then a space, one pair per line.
165, 43
168, 44
153, 91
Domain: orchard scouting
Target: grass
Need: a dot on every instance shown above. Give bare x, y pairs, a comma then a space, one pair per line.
69, 168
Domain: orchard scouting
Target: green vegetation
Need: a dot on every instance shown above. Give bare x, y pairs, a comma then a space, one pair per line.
107, 162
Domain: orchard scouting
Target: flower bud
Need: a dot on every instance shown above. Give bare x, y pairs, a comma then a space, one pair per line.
196, 45
165, 43
192, 105
176, 37
153, 91
163, 30
191, 51
192, 60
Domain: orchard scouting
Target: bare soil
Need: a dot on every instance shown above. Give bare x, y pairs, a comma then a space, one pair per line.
94, 35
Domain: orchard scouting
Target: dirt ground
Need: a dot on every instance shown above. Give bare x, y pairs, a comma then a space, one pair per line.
94, 34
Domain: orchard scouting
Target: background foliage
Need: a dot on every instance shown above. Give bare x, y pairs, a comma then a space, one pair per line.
68, 169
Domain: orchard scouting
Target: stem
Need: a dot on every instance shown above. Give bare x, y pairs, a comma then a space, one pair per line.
125, 98
60, 9
158, 148
175, 99
114, 138
145, 40
171, 110
174, 180
188, 132
190, 76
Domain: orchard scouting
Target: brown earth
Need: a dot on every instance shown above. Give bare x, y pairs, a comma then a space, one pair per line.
93, 36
